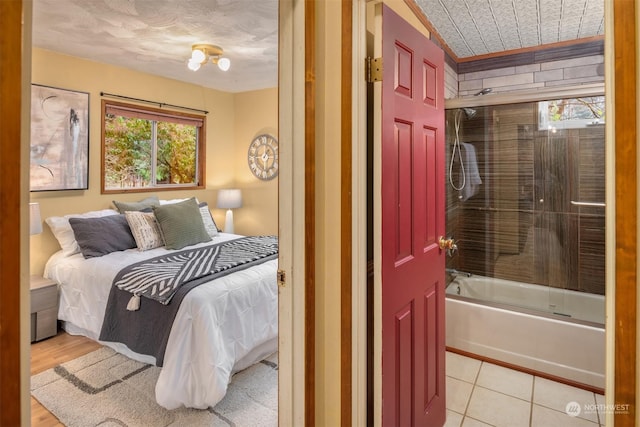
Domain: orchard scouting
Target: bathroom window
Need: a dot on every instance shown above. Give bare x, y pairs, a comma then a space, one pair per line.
571, 113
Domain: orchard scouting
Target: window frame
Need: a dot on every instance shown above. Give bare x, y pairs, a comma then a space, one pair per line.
157, 113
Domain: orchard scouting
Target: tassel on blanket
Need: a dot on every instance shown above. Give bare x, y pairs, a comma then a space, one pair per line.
134, 303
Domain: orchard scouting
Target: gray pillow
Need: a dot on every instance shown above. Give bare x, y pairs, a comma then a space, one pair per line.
137, 206
181, 224
100, 236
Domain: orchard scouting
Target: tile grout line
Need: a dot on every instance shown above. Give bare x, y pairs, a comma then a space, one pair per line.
540, 405
533, 390
595, 400
474, 383
473, 389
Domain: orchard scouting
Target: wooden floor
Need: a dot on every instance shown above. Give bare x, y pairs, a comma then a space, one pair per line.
49, 353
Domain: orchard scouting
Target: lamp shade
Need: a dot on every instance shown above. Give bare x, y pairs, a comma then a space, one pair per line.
229, 199
35, 222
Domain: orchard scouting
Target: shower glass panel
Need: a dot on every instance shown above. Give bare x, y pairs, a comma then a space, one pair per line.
525, 198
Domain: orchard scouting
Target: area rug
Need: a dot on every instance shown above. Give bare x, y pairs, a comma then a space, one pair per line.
104, 388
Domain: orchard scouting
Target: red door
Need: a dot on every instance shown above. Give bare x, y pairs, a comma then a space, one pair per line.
412, 270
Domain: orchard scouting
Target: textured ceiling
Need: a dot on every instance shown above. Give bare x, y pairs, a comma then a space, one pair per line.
155, 36
478, 27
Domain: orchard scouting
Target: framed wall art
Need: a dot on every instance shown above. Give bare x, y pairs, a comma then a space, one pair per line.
59, 158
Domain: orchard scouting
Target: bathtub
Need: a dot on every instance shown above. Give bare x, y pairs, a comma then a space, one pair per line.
551, 331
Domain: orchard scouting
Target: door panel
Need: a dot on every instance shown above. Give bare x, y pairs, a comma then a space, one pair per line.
431, 385
404, 369
403, 199
412, 220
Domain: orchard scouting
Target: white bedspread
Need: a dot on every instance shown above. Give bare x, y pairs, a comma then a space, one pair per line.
221, 327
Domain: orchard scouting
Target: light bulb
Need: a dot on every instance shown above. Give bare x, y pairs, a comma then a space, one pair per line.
193, 65
198, 56
224, 64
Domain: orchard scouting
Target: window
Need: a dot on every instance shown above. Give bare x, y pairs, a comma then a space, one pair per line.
149, 149
571, 113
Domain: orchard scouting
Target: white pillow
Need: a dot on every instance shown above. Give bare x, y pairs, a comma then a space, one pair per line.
64, 233
207, 219
172, 201
145, 230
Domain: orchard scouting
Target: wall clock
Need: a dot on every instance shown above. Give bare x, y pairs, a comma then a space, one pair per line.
263, 157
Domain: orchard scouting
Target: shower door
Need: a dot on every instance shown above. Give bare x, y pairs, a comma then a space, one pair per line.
538, 219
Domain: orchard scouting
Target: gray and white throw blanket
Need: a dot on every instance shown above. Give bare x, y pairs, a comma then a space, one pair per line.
164, 281
159, 278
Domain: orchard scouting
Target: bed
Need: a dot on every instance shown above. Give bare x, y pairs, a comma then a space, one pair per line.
221, 326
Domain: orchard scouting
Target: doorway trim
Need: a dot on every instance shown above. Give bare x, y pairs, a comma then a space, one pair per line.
624, 247
346, 217
355, 111
296, 217
13, 356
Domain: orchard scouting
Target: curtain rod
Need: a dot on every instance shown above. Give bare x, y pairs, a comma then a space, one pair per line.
159, 104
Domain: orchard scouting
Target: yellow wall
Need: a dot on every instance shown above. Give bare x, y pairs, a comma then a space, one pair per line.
256, 113
231, 117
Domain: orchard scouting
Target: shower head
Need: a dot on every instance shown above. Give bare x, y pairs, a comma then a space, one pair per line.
484, 91
469, 112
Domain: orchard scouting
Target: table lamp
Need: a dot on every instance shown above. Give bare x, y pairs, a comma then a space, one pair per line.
229, 199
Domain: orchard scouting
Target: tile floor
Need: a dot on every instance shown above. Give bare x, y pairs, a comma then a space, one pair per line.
482, 394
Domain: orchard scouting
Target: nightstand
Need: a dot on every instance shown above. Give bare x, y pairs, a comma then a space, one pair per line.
44, 308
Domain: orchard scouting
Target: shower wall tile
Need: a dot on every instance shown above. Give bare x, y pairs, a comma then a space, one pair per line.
593, 70
472, 233
516, 260
526, 178
470, 85
510, 88
450, 82
529, 68
557, 250
573, 170
574, 62
496, 72
529, 76
511, 80
592, 254
558, 169
591, 182
544, 76
574, 82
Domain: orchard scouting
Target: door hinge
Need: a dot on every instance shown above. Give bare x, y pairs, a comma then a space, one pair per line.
373, 69
282, 278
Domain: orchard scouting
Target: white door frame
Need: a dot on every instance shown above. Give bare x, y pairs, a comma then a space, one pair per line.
359, 216
291, 213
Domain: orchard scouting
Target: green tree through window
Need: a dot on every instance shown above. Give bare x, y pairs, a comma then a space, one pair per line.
149, 149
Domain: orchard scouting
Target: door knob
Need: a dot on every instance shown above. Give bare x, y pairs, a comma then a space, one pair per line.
447, 244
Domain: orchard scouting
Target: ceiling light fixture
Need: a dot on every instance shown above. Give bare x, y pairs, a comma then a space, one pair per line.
201, 53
